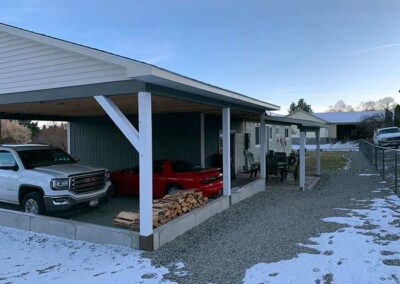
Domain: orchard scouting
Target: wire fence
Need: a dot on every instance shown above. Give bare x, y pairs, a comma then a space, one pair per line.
385, 161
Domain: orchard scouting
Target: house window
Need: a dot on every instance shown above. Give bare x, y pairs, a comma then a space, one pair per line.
270, 132
257, 135
286, 132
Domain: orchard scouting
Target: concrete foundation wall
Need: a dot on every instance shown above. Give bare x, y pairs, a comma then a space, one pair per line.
107, 235
180, 225
69, 229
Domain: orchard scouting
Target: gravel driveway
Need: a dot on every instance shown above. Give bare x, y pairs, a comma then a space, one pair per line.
265, 228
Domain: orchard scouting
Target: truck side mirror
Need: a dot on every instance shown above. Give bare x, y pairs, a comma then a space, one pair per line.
9, 167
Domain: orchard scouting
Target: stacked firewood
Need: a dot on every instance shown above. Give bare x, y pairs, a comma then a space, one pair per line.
165, 209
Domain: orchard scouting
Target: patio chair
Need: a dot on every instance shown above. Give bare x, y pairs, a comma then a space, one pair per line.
272, 166
282, 159
293, 168
254, 167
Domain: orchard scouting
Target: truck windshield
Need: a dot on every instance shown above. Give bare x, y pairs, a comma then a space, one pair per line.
390, 130
44, 157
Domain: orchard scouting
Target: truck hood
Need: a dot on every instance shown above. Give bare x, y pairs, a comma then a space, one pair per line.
65, 170
389, 135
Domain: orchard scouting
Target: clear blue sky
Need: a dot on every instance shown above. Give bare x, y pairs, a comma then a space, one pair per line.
277, 51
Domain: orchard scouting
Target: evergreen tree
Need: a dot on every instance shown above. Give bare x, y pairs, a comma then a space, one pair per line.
301, 105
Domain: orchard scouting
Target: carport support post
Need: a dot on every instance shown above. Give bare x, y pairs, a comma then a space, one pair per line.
262, 146
202, 142
226, 150
143, 143
318, 154
302, 159
68, 137
145, 171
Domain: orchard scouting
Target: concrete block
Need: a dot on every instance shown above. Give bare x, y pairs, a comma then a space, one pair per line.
103, 235
259, 185
15, 219
224, 203
235, 197
209, 210
245, 194
156, 239
135, 240
177, 227
53, 226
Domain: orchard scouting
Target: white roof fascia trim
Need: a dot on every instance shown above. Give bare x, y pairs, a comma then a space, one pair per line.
171, 76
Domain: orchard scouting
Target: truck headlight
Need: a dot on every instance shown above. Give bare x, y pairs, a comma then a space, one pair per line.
59, 184
383, 139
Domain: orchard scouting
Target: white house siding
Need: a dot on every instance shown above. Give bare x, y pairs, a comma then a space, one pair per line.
29, 65
278, 131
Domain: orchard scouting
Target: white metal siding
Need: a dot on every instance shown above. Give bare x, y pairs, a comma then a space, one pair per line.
28, 65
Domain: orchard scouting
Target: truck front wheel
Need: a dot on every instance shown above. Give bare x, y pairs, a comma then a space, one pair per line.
33, 203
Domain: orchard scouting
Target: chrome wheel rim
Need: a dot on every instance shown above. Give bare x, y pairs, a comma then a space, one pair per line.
31, 206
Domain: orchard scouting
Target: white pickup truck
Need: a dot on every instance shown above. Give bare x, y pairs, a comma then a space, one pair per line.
389, 136
42, 179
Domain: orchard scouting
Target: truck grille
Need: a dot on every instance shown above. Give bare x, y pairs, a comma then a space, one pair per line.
393, 139
88, 182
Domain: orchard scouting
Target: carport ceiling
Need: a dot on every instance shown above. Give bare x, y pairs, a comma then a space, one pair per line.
128, 104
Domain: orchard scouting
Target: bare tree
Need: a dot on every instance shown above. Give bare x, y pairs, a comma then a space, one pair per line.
382, 104
386, 103
369, 123
340, 106
54, 135
14, 133
367, 106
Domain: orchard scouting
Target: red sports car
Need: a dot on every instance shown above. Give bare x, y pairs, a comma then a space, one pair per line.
169, 176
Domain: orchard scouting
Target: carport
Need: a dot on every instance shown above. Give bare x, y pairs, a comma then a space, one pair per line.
44, 78
304, 126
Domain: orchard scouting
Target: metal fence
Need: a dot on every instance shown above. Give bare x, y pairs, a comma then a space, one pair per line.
384, 160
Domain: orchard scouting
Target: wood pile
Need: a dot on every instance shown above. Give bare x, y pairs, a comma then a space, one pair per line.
164, 210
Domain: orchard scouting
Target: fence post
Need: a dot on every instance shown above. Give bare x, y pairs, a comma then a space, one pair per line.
383, 164
370, 154
376, 158
395, 171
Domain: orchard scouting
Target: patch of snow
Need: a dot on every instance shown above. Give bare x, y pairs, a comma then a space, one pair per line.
347, 166
28, 257
367, 251
347, 146
368, 175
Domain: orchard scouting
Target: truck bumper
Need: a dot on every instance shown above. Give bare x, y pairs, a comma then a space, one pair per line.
69, 202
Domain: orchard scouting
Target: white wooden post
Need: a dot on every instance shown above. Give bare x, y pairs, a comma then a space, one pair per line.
68, 137
143, 143
318, 154
202, 142
226, 150
145, 165
302, 159
262, 146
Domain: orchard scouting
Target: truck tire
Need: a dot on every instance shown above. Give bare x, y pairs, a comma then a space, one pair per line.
33, 203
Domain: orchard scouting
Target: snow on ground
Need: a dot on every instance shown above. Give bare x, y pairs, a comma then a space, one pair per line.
27, 257
368, 251
338, 146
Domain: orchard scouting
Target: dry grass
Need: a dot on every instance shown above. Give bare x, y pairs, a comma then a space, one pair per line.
329, 161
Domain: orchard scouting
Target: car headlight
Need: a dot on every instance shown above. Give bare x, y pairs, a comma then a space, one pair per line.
383, 139
59, 184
